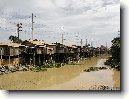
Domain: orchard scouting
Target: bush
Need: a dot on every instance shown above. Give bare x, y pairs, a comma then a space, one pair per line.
58, 65
114, 61
51, 64
39, 68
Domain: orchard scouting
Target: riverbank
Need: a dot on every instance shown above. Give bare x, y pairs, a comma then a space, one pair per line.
29, 80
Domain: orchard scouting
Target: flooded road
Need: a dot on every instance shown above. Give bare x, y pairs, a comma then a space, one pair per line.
68, 77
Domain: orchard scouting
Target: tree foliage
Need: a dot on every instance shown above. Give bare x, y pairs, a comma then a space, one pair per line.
15, 39
115, 49
114, 61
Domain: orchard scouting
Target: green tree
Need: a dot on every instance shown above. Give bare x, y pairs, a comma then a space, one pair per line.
15, 39
115, 49
114, 61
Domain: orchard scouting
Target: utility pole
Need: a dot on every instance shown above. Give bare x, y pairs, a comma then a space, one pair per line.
106, 46
33, 26
62, 38
62, 28
81, 42
86, 42
91, 44
19, 26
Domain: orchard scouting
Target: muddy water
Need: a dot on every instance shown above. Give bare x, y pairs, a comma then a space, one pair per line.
92, 80
68, 77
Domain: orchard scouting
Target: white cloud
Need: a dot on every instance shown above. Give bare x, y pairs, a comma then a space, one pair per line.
90, 18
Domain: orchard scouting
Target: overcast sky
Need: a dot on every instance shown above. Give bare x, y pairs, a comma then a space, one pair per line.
98, 21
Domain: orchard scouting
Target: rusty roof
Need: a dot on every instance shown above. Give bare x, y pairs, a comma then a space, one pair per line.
10, 44
38, 42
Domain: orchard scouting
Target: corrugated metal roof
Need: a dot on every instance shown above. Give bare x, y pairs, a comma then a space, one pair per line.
38, 42
10, 44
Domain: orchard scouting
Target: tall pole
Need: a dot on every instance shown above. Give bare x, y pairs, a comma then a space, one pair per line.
62, 28
91, 44
81, 42
19, 28
106, 44
32, 26
86, 42
62, 38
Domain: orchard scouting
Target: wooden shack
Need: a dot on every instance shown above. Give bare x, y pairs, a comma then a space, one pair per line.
9, 53
36, 52
53, 48
3, 49
57, 52
59, 48
2, 53
27, 51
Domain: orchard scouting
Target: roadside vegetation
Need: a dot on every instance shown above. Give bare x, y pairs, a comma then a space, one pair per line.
114, 60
